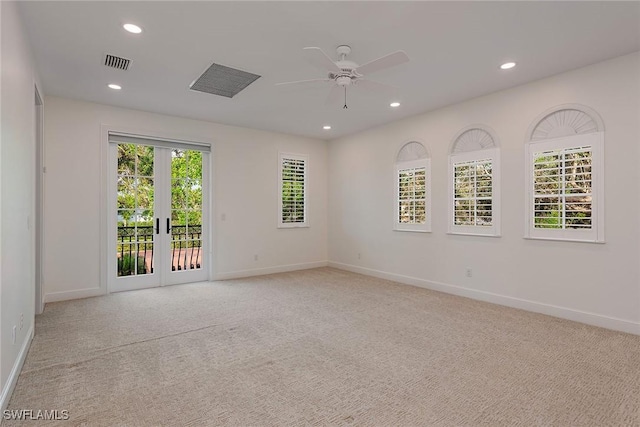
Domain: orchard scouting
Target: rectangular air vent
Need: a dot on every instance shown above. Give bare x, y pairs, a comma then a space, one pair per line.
223, 81
117, 62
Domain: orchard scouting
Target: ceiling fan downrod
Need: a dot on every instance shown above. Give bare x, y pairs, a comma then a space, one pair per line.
345, 98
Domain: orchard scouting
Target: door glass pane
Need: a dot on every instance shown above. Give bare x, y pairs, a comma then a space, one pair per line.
144, 160
195, 195
126, 159
194, 165
186, 210
144, 194
126, 192
178, 193
135, 233
178, 163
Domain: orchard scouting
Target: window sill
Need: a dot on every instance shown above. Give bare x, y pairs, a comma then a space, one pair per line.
462, 233
288, 226
411, 231
562, 239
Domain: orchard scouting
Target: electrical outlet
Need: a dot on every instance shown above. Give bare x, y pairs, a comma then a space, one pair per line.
13, 334
469, 272
255, 257
223, 217
21, 321
359, 255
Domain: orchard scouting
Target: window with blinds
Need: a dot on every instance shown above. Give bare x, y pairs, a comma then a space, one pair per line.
412, 196
412, 192
293, 190
562, 195
473, 193
565, 186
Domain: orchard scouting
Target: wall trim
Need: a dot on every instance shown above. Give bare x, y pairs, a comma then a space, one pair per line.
75, 294
269, 270
588, 318
573, 106
7, 391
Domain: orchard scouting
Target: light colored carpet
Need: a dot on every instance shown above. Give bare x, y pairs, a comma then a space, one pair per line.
322, 347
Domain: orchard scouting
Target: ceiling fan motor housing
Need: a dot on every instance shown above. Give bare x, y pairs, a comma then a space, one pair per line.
343, 80
348, 74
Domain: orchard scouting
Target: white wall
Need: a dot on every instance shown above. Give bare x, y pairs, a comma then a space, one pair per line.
246, 192
602, 284
17, 195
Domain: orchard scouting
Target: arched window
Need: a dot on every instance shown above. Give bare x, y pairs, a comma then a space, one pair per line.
474, 179
564, 175
413, 188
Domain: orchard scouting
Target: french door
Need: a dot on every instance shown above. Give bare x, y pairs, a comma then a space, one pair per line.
158, 212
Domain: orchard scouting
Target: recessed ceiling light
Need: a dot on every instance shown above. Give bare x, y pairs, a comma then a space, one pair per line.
394, 104
132, 28
114, 86
507, 65
326, 127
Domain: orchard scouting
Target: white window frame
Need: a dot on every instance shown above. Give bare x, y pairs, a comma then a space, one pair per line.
492, 154
596, 233
414, 227
305, 159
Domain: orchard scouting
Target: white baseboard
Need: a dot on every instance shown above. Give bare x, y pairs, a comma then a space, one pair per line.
94, 292
75, 294
269, 270
537, 307
7, 391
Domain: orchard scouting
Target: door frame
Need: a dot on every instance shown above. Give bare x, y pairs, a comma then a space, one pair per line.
39, 200
107, 189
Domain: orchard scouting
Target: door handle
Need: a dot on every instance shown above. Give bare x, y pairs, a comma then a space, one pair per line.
157, 225
168, 226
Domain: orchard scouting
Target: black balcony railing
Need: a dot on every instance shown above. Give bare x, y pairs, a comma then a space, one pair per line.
135, 249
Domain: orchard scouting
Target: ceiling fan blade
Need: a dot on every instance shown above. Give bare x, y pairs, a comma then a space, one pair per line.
335, 95
317, 57
377, 86
303, 82
388, 61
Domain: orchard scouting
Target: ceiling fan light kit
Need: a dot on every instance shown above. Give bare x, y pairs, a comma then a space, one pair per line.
343, 72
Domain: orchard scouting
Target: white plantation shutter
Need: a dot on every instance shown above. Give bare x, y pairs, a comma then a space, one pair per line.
474, 198
412, 192
293, 190
472, 193
412, 196
474, 183
562, 188
565, 182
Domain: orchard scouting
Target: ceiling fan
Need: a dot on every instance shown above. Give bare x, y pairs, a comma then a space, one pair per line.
344, 73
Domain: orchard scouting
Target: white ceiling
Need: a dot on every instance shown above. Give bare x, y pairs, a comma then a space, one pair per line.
455, 50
